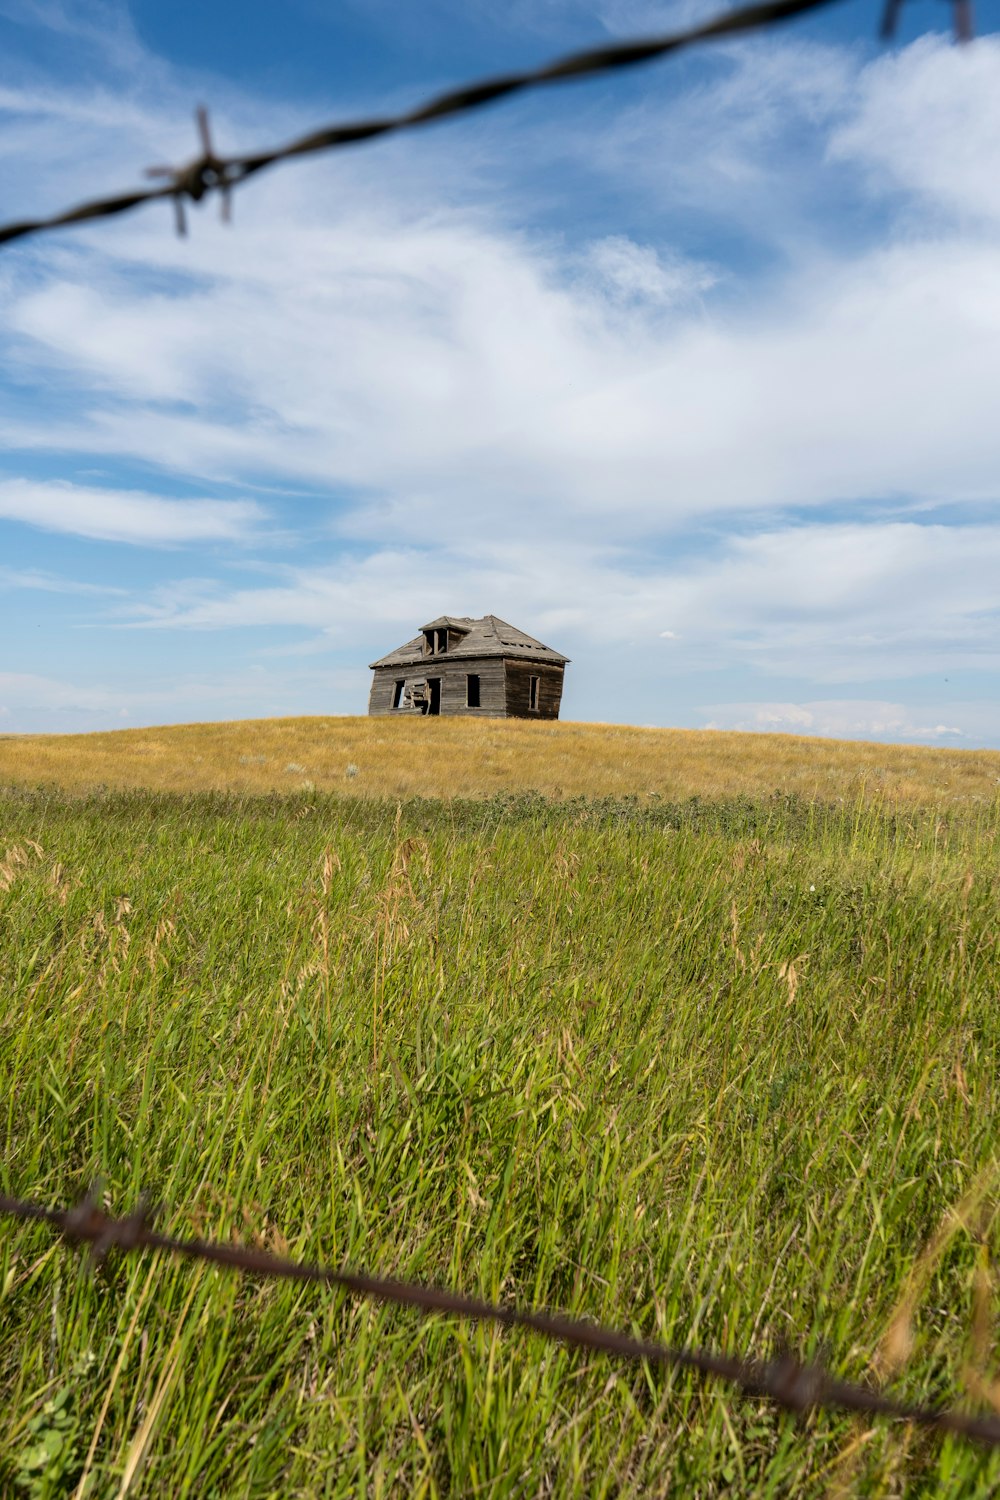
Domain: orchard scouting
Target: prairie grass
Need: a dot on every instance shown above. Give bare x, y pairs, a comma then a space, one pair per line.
480, 758
717, 1073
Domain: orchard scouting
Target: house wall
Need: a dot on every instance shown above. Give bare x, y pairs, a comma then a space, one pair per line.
550, 685
454, 684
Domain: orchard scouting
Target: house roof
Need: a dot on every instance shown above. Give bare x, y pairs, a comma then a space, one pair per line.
489, 636
452, 622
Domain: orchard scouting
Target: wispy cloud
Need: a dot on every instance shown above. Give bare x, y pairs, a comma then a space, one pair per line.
926, 124
19, 689
851, 602
35, 702
51, 583
127, 515
832, 718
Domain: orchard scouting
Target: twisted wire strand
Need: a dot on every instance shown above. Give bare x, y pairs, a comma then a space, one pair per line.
209, 172
795, 1385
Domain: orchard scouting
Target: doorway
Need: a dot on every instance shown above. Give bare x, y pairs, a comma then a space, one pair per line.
434, 689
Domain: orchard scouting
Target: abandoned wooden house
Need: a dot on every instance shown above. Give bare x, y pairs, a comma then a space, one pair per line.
483, 668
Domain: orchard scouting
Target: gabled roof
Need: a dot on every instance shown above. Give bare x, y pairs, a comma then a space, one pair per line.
489, 636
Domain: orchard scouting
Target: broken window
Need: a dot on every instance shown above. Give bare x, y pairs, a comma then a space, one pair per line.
533, 694
397, 693
472, 690
442, 640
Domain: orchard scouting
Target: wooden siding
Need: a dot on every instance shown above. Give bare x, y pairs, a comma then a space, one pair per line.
550, 683
454, 675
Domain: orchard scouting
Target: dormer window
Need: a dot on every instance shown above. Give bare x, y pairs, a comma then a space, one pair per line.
435, 642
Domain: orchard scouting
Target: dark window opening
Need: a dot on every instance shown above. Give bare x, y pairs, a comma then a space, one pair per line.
397, 694
472, 690
533, 694
442, 640
434, 694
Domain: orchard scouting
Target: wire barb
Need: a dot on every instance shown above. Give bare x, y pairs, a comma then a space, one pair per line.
962, 19
87, 1223
964, 24
205, 174
209, 173
791, 1383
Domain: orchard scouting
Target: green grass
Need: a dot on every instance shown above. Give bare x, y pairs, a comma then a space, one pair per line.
721, 1074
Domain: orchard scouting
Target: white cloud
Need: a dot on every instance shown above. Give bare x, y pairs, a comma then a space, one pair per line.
643, 274
27, 689
51, 583
849, 602
400, 588
927, 123
442, 366
447, 371
30, 701
833, 718
126, 515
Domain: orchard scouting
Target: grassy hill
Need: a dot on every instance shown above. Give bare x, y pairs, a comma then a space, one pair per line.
723, 1074
463, 758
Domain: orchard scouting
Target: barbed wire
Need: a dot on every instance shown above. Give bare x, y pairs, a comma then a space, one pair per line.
211, 173
793, 1384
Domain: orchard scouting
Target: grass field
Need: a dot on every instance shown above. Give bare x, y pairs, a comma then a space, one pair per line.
474, 758
717, 1072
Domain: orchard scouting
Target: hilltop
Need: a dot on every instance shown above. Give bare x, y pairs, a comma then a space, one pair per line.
477, 758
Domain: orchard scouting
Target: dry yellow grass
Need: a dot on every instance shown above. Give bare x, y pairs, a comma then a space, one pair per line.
474, 758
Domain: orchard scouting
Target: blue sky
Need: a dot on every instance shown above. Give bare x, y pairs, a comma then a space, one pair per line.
692, 372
